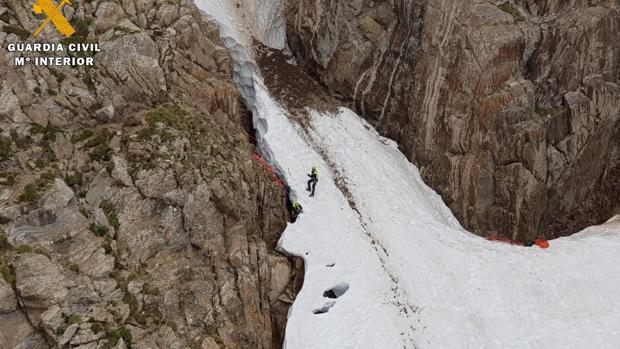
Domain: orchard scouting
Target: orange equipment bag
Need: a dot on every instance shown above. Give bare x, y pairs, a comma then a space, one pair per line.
540, 243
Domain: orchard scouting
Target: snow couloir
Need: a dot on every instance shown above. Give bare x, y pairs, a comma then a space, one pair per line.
389, 266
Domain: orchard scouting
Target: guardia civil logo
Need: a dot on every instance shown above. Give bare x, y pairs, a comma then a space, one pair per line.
54, 15
74, 52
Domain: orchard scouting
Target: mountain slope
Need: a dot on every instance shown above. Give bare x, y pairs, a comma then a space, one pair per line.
132, 213
387, 263
504, 106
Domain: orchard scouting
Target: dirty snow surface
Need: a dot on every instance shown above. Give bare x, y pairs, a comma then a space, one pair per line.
399, 270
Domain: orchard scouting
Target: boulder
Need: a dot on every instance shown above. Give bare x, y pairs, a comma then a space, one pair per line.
108, 14
8, 302
58, 197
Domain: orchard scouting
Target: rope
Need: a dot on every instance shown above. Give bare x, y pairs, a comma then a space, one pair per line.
257, 157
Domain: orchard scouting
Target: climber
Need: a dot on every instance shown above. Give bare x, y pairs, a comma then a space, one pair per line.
314, 178
296, 210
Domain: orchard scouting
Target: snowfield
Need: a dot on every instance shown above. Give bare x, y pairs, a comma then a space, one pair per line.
412, 277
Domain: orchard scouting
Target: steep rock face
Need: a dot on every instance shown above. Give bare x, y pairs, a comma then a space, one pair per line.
132, 213
511, 111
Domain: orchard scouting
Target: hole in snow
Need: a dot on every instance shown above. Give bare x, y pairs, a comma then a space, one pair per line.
324, 309
336, 291
330, 265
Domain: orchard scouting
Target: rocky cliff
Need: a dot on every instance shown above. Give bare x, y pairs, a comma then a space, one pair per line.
510, 109
132, 212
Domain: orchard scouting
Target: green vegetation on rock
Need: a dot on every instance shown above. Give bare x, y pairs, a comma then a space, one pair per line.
150, 290
49, 131
74, 319
113, 335
5, 150
32, 191
510, 9
75, 179
75, 268
98, 229
172, 325
10, 180
41, 163
82, 135
30, 194
24, 249
4, 241
22, 33
100, 146
61, 329
8, 274
108, 210
134, 312
96, 327
89, 82
99, 153
543, 115
546, 111
212, 148
107, 246
170, 116
29, 249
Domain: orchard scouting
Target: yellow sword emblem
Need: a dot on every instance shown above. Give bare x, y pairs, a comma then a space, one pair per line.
54, 15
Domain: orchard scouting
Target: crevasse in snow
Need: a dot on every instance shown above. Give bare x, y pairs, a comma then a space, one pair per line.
415, 277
